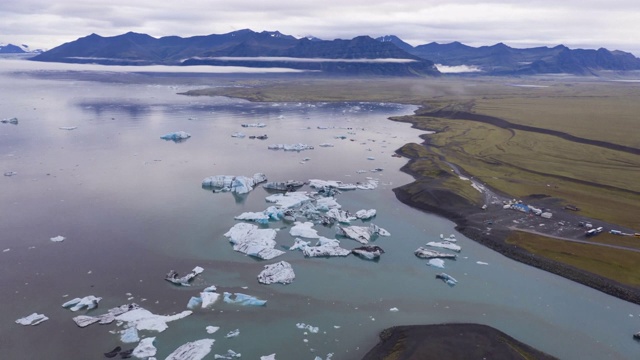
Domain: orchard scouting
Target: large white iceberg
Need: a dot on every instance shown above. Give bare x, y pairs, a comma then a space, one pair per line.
250, 240
172, 276
243, 299
362, 234
304, 229
369, 252
325, 247
143, 319
445, 245
33, 319
280, 272
145, 348
290, 200
176, 136
90, 302
263, 217
290, 147
327, 203
195, 350
319, 184
365, 214
109, 317
231, 183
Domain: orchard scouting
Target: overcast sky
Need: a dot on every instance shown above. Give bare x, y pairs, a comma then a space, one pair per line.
613, 24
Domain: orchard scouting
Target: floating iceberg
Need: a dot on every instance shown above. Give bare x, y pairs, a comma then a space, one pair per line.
445, 245
238, 135
233, 333
289, 185
258, 125
325, 247
268, 357
195, 350
243, 299
145, 348
172, 276
447, 279
90, 302
326, 145
143, 319
33, 319
259, 217
340, 216
229, 355
304, 229
311, 329
212, 329
482, 263
319, 184
290, 147
365, 214
250, 240
430, 254
10, 173
290, 200
129, 335
327, 203
362, 234
451, 238
177, 136
369, 185
436, 262
209, 298
299, 244
369, 252
235, 184
109, 317
194, 302
280, 272
57, 238
68, 127
12, 120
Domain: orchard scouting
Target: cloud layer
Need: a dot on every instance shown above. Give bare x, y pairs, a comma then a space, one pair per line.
575, 23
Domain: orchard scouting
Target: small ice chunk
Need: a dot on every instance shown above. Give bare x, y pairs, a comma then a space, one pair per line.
236, 184
448, 279
67, 127
33, 319
212, 329
290, 147
238, 135
145, 348
268, 357
425, 253
327, 203
243, 299
311, 329
194, 302
6, 250
195, 350
280, 272
436, 262
320, 184
109, 317
229, 355
304, 229
394, 309
58, 238
211, 288
340, 216
258, 125
300, 244
369, 252
326, 145
365, 214
13, 120
233, 333
90, 302
129, 335
259, 217
10, 173
445, 245
177, 136
481, 263
172, 276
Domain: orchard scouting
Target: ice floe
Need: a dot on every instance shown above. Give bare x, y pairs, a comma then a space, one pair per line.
311, 329
268, 357
129, 335
195, 350
209, 298
235, 184
238, 135
304, 229
176, 136
445, 245
33, 319
362, 234
340, 216
212, 329
318, 184
233, 333
290, 200
369, 252
327, 203
229, 355
365, 214
436, 262
143, 319
258, 125
67, 127
109, 317
172, 276
394, 309
280, 272
289, 185
145, 348
249, 239
90, 302
326, 145
290, 147
448, 279
12, 120
325, 247
243, 299
481, 263
58, 238
430, 254
10, 173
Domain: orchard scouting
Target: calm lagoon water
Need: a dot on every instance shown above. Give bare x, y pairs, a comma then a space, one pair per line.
131, 208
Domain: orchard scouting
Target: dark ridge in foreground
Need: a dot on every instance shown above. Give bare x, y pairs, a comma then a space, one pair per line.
501, 123
451, 342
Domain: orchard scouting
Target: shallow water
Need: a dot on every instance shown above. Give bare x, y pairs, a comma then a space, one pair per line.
131, 208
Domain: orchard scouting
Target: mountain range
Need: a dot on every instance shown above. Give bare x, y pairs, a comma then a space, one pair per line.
362, 55
17, 49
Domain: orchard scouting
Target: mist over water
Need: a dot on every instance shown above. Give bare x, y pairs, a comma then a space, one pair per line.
131, 208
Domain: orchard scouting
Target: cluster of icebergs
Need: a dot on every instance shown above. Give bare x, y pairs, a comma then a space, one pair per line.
232, 183
436, 258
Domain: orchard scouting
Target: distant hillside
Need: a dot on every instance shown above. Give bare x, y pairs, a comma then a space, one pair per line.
264, 49
16, 49
500, 59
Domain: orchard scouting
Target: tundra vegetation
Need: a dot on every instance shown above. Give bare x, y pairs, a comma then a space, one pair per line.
574, 139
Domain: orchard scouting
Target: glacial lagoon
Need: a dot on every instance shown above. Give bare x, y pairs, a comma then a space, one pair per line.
87, 163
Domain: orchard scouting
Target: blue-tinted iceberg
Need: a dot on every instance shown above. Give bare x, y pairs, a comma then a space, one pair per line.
172, 276
177, 136
280, 272
145, 348
304, 229
243, 299
448, 279
90, 302
231, 183
33, 319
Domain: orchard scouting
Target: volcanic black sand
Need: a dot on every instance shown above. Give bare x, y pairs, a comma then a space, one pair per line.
451, 342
